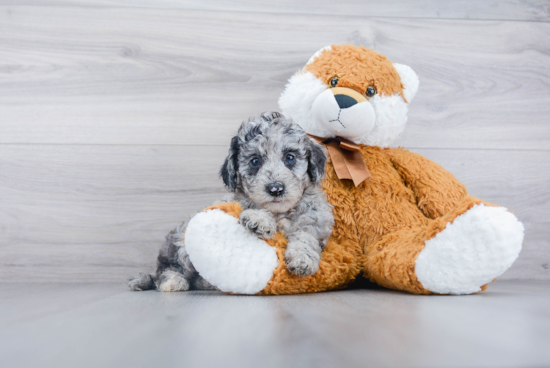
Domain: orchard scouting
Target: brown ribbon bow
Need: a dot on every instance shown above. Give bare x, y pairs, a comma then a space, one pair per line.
346, 158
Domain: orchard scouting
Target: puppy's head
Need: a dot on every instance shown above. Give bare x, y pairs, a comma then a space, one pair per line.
272, 161
351, 92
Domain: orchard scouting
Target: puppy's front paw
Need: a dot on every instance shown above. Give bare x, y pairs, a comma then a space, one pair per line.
302, 261
259, 222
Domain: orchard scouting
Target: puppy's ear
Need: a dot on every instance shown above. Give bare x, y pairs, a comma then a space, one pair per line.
316, 161
230, 167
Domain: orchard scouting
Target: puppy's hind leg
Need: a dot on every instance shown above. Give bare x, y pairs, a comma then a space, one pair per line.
142, 282
174, 269
201, 284
175, 272
170, 280
183, 278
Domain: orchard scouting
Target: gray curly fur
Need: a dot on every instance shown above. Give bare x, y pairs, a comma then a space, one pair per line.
302, 211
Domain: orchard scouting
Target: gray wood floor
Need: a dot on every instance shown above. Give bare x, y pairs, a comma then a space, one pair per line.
116, 114
104, 325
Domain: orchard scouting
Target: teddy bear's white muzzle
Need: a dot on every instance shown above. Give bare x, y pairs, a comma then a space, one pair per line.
344, 112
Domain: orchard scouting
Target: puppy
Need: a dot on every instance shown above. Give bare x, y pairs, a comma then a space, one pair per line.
273, 171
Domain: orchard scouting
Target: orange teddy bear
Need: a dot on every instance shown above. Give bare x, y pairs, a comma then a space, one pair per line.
401, 220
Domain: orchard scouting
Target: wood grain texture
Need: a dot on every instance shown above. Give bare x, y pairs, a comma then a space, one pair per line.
97, 213
115, 114
100, 212
174, 76
104, 325
531, 10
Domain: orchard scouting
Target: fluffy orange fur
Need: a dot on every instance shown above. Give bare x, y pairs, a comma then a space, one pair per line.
357, 68
380, 226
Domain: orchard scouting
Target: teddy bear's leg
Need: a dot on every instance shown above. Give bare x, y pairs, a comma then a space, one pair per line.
476, 248
455, 254
227, 255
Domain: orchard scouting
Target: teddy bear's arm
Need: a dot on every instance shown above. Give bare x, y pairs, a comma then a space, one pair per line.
437, 190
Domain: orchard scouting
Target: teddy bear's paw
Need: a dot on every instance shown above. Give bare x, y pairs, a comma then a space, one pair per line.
226, 255
473, 250
259, 222
301, 260
172, 281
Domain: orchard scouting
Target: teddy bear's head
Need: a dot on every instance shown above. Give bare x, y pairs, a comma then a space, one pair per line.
350, 92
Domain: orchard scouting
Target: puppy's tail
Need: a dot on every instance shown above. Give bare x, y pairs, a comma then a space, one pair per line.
142, 282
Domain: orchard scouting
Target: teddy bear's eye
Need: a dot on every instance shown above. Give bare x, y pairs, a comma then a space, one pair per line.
334, 82
371, 91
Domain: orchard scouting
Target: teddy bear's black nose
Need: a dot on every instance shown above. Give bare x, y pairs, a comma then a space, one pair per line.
345, 101
275, 189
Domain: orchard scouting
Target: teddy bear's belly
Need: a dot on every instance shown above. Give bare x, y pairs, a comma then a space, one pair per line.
392, 208
377, 207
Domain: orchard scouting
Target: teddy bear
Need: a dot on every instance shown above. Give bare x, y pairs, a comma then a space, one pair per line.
401, 220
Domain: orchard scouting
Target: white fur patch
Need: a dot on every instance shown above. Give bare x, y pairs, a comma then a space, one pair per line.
297, 100
391, 118
349, 123
226, 255
409, 79
470, 252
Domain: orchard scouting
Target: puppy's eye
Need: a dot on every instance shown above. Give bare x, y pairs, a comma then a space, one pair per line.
371, 91
255, 162
334, 82
290, 159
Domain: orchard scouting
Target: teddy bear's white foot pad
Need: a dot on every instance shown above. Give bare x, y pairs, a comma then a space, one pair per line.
470, 252
225, 254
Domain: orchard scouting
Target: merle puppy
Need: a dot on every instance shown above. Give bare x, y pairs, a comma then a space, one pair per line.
273, 170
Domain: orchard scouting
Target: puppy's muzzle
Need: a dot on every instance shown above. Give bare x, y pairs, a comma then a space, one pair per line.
276, 189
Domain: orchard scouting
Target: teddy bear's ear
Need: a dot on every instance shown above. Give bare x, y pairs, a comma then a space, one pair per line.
409, 79
311, 59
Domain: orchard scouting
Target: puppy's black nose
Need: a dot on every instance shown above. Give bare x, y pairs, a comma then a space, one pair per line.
275, 189
345, 101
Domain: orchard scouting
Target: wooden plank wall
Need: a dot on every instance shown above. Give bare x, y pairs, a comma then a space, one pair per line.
116, 114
